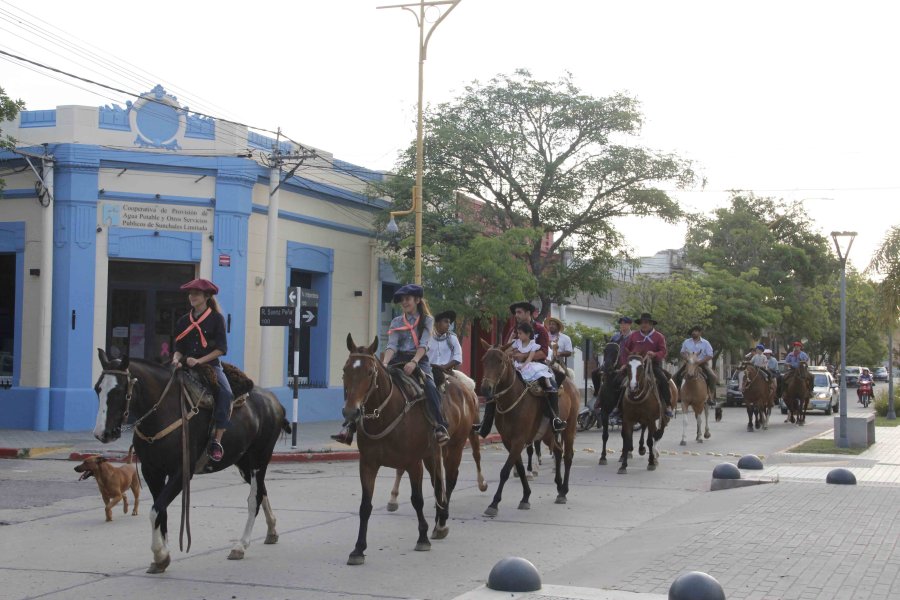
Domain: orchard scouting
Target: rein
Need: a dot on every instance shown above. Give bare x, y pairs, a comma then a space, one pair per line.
376, 413
646, 385
503, 372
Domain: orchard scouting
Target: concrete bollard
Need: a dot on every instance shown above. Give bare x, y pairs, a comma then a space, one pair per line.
695, 585
841, 477
514, 574
726, 471
750, 461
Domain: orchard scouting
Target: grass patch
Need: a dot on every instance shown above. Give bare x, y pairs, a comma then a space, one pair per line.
823, 446
884, 422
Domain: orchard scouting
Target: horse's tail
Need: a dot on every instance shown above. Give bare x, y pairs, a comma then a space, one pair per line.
286, 425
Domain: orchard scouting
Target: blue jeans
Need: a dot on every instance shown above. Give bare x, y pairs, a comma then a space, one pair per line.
224, 398
431, 393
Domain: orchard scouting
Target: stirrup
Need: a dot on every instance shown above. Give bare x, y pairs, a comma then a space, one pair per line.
215, 451
441, 435
558, 424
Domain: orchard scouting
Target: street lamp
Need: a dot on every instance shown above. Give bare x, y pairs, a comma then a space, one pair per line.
423, 50
839, 238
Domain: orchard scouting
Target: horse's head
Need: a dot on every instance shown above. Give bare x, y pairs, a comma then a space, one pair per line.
611, 356
496, 363
360, 377
114, 390
690, 365
636, 370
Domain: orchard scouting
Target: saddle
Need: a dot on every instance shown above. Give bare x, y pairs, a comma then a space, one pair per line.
201, 384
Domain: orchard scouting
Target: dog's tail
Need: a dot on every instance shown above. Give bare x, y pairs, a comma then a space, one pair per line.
130, 456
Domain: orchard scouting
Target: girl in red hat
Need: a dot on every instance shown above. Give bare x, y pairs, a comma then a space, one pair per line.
201, 340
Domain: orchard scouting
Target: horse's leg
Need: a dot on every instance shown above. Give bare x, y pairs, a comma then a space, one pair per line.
651, 458
452, 458
529, 450
253, 477
392, 504
557, 477
537, 451
699, 415
367, 474
163, 491
514, 456
684, 410
764, 416
604, 419
568, 453
524, 503
475, 444
418, 502
749, 416
627, 445
641, 449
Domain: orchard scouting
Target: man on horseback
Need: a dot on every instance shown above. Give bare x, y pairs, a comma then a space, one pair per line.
560, 343
772, 367
444, 350
202, 340
648, 340
793, 360
703, 349
760, 361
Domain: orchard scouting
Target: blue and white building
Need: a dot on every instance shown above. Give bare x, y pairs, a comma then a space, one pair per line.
121, 205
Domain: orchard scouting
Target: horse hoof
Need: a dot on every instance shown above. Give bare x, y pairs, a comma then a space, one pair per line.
524, 506
699, 440
423, 546
622, 471
236, 554
482, 487
529, 477
683, 443
642, 450
707, 435
630, 454
490, 511
271, 538
392, 506
535, 473
651, 467
750, 428
561, 499
159, 567
440, 533
356, 559
602, 461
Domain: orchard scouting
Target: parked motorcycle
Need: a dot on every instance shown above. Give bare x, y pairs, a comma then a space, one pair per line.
865, 393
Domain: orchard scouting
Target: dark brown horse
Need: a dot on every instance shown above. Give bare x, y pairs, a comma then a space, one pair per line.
460, 406
154, 395
758, 393
608, 390
796, 393
641, 404
393, 432
520, 420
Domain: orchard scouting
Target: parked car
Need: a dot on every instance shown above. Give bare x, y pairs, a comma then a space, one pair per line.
852, 376
733, 394
881, 374
825, 396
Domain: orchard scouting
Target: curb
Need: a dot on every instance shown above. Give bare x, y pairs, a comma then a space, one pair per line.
29, 452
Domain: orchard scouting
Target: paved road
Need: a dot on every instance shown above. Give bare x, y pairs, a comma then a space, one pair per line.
633, 533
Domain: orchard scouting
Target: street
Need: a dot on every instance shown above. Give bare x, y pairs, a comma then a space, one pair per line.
629, 532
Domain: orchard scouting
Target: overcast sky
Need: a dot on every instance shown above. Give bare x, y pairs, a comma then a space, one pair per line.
793, 99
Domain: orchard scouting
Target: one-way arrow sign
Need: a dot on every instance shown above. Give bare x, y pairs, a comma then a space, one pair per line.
306, 316
292, 296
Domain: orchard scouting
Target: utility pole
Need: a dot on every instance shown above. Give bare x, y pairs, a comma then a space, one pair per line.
269, 373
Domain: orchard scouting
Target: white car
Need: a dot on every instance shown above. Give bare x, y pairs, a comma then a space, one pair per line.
825, 393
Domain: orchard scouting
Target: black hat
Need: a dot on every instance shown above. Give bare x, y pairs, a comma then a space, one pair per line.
527, 306
645, 317
410, 289
447, 314
625, 320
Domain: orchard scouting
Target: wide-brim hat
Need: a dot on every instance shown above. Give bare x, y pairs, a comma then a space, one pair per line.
203, 285
645, 317
528, 306
628, 320
559, 324
410, 289
447, 314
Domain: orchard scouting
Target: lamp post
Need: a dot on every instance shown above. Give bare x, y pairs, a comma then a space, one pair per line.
848, 237
423, 51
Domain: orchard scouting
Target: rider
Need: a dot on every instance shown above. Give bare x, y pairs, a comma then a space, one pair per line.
864, 378
408, 338
772, 367
703, 349
444, 350
619, 338
560, 343
793, 360
202, 340
760, 361
648, 340
535, 370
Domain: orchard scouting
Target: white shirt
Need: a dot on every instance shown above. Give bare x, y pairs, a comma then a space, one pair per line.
701, 347
444, 348
563, 344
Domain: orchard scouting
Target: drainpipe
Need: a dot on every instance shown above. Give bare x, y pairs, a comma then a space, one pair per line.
42, 383
267, 334
374, 292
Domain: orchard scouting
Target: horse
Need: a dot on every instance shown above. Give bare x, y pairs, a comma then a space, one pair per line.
759, 395
394, 432
460, 404
520, 421
170, 436
796, 393
641, 404
693, 394
608, 390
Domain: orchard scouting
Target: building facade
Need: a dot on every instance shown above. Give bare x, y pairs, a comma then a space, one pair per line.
108, 210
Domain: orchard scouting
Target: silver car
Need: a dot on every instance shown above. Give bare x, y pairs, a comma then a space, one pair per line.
825, 395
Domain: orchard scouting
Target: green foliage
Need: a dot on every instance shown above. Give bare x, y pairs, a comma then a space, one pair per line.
544, 157
886, 263
881, 403
578, 332
9, 108
677, 303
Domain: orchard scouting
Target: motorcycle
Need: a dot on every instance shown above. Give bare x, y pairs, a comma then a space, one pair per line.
589, 417
865, 393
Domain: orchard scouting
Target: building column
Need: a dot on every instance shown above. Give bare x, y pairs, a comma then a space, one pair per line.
234, 202
72, 402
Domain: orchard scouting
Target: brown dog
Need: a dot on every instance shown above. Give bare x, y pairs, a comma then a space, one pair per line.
113, 482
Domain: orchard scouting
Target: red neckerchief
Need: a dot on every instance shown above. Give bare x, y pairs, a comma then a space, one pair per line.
196, 325
408, 327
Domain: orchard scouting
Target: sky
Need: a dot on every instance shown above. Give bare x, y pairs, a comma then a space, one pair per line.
797, 100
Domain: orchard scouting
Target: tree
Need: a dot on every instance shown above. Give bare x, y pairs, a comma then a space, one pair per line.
545, 157
678, 303
886, 262
9, 108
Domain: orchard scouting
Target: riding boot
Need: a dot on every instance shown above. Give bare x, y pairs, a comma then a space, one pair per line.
487, 423
441, 434
345, 436
665, 397
553, 401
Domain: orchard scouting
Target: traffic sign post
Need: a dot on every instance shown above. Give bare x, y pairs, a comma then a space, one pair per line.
304, 313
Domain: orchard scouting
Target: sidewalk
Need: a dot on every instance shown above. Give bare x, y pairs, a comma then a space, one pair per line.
313, 444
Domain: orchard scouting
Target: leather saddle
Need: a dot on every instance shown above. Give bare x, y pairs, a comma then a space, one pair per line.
201, 384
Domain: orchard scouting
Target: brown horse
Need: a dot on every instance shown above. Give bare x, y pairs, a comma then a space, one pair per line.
759, 395
460, 405
641, 404
393, 432
796, 393
693, 394
520, 421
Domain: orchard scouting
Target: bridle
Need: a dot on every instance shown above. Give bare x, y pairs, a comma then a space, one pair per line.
129, 392
373, 385
646, 385
506, 362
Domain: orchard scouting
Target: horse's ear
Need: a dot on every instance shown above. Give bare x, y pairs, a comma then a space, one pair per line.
484, 344
350, 345
373, 346
506, 346
104, 360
